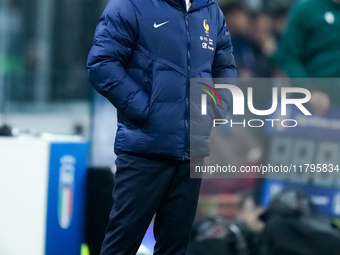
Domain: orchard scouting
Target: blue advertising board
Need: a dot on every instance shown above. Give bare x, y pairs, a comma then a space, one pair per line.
315, 139
66, 198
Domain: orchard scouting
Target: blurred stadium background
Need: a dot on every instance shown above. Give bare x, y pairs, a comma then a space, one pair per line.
44, 45
44, 87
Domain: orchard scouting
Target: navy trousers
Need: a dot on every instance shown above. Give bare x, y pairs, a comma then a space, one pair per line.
145, 187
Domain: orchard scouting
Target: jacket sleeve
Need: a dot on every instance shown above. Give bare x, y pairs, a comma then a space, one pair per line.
224, 67
291, 45
113, 43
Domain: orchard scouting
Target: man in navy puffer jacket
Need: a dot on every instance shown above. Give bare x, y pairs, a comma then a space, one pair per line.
145, 52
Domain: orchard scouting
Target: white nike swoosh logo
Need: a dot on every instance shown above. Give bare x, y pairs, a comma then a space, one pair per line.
158, 25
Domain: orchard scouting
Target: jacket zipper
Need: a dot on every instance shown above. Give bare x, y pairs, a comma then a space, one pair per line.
186, 155
187, 108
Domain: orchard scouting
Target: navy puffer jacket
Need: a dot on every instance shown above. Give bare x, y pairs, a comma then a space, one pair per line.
144, 54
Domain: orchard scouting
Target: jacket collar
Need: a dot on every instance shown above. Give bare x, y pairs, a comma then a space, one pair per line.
195, 4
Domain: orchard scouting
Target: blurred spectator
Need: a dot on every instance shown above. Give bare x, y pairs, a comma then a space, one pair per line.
273, 6
253, 39
310, 48
279, 18
238, 20
265, 44
263, 34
